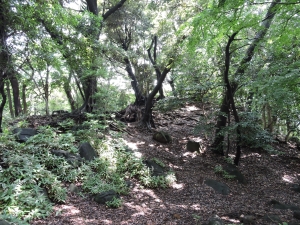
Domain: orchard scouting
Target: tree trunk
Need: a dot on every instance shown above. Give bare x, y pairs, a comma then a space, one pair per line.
139, 99
230, 89
16, 93
147, 117
4, 57
155, 66
67, 89
9, 101
24, 102
89, 83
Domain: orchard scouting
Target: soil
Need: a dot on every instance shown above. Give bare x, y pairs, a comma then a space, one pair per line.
189, 200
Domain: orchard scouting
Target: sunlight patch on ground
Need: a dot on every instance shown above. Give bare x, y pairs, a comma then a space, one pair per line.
230, 220
195, 207
289, 178
70, 210
190, 154
132, 145
177, 186
191, 108
250, 155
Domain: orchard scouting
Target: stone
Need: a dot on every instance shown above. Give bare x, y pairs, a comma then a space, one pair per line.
277, 205
234, 171
296, 215
162, 137
4, 222
247, 219
73, 188
129, 184
215, 220
105, 196
296, 188
156, 170
218, 186
272, 218
87, 152
193, 146
72, 159
23, 134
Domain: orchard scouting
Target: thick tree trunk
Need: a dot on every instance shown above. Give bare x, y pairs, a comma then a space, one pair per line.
147, 117
16, 93
4, 57
10, 105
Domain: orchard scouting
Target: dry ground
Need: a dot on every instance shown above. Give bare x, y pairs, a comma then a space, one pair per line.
189, 201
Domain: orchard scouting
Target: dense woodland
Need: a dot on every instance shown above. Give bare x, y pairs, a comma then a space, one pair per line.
77, 71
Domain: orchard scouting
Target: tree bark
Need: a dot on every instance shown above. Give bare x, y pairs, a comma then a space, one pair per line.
4, 57
89, 84
10, 105
149, 103
68, 92
24, 102
231, 88
154, 64
16, 93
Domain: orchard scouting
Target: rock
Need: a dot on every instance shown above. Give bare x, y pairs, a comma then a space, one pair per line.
218, 186
60, 153
215, 220
106, 196
87, 152
4, 222
277, 205
73, 188
272, 218
193, 146
23, 134
129, 184
162, 137
296, 215
72, 159
234, 171
296, 188
155, 169
247, 219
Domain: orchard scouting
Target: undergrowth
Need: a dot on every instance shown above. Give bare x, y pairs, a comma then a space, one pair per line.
34, 179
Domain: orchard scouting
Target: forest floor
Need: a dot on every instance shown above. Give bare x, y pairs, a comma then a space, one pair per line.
189, 200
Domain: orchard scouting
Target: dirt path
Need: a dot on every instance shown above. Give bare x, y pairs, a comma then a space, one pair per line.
190, 201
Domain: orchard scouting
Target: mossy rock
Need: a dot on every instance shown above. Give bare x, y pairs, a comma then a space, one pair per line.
162, 137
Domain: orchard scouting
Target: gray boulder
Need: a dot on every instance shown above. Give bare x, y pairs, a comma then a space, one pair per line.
105, 196
87, 152
278, 205
162, 137
215, 220
234, 171
72, 159
4, 222
156, 170
218, 186
23, 134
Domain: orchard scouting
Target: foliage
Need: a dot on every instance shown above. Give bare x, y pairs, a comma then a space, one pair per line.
115, 203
